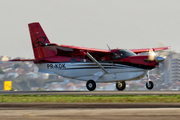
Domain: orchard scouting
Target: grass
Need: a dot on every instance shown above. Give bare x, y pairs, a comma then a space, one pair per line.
92, 98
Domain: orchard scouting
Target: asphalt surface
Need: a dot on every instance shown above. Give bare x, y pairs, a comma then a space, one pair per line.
85, 105
148, 92
92, 114
90, 111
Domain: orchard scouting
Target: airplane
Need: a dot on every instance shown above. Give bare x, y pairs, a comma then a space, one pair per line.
90, 64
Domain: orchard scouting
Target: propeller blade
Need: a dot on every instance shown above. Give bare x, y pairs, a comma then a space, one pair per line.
152, 55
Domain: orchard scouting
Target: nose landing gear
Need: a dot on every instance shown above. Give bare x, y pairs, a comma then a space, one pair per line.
149, 83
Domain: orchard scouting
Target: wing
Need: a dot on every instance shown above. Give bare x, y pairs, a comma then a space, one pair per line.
75, 50
137, 51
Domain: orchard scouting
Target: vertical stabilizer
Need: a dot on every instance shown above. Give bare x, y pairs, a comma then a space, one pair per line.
38, 38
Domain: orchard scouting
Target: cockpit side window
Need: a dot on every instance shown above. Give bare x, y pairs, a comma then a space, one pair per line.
126, 53
115, 56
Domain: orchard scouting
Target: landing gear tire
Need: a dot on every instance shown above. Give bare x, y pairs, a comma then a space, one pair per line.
120, 85
150, 86
91, 85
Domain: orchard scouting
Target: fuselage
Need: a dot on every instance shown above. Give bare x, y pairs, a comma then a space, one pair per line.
119, 67
86, 70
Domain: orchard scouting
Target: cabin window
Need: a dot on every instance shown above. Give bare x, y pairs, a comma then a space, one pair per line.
83, 60
115, 56
73, 60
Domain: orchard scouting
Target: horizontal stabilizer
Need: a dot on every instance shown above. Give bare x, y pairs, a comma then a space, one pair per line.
45, 71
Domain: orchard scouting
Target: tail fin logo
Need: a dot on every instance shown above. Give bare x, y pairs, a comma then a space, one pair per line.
39, 42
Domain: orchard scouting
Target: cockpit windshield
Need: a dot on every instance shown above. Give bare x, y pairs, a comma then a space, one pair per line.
126, 53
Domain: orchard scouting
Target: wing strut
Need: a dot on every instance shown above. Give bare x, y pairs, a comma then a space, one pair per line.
97, 63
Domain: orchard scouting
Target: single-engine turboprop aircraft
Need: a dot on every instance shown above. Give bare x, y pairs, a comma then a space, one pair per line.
92, 65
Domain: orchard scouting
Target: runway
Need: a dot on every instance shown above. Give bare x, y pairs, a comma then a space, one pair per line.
89, 111
92, 114
90, 92
26, 106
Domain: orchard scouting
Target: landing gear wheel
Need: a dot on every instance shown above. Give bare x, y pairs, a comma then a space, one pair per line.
150, 86
91, 85
120, 85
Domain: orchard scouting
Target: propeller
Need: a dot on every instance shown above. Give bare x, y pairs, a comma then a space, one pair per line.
166, 62
151, 55
164, 65
164, 54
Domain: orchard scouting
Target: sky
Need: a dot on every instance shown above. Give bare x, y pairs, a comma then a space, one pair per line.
128, 24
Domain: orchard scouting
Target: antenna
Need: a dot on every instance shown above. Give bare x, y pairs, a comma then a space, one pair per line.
108, 47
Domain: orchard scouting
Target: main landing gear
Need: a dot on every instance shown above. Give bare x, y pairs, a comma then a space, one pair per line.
121, 85
91, 85
149, 83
